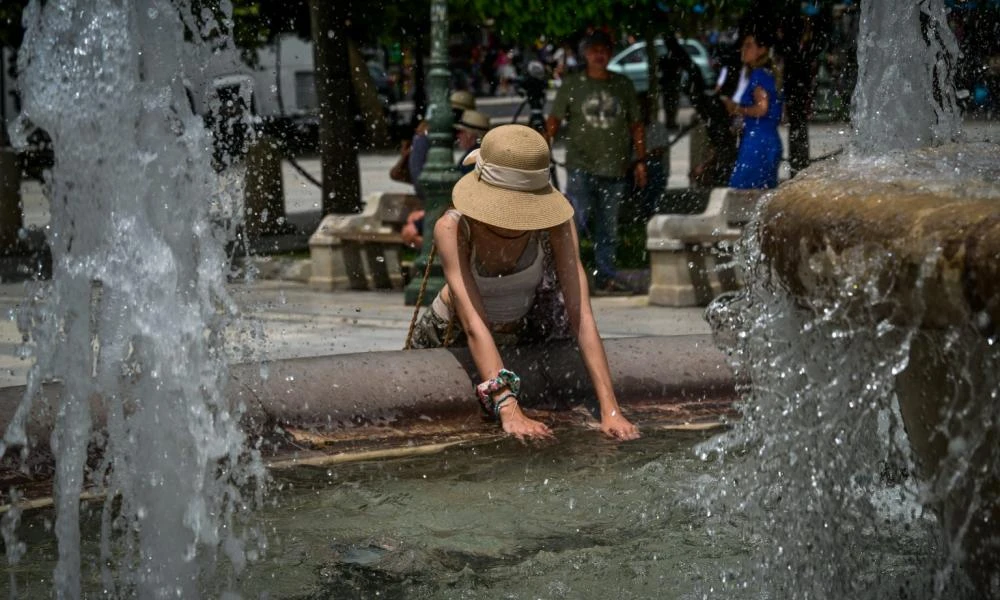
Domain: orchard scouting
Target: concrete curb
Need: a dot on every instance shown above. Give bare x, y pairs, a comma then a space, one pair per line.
402, 389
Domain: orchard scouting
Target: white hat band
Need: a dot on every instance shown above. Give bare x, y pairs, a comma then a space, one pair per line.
510, 178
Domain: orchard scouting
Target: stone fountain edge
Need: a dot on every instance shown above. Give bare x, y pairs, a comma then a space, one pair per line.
402, 389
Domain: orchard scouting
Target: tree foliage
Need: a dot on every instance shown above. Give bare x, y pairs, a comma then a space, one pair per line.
258, 22
526, 20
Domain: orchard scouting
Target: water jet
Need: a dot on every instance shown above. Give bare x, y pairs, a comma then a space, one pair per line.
868, 329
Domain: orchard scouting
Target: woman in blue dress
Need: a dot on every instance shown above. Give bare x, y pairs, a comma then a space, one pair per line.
758, 102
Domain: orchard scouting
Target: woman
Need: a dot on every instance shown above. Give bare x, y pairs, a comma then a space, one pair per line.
509, 251
758, 102
469, 130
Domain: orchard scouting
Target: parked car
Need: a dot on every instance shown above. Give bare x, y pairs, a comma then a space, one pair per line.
631, 62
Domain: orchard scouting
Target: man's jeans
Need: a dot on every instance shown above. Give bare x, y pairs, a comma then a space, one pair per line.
596, 200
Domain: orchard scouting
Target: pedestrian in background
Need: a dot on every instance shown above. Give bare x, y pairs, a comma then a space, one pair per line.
469, 131
670, 68
758, 103
603, 125
460, 100
565, 62
506, 72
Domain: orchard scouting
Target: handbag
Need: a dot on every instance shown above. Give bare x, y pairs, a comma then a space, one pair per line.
401, 170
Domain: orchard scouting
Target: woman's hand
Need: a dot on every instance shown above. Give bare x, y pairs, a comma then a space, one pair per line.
731, 107
618, 427
516, 423
412, 236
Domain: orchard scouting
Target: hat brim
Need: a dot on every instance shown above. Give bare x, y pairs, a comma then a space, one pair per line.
510, 209
467, 127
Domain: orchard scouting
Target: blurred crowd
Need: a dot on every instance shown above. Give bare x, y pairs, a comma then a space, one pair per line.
486, 65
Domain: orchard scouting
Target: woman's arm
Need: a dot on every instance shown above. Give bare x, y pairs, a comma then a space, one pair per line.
573, 282
463, 294
761, 102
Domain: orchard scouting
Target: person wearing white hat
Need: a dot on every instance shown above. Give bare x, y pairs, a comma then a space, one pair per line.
460, 101
511, 261
470, 128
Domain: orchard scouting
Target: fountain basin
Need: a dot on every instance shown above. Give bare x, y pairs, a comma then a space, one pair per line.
815, 225
378, 401
911, 243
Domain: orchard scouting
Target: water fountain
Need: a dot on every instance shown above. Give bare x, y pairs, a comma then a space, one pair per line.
131, 329
132, 320
836, 331
868, 331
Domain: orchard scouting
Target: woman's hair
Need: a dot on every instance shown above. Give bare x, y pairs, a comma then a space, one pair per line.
766, 61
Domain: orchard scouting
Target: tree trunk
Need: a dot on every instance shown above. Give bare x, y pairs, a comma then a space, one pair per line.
4, 138
652, 102
376, 130
338, 149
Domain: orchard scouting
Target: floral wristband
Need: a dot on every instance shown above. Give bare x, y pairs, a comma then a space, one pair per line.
504, 380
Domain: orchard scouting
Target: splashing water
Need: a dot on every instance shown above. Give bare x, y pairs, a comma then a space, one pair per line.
905, 97
133, 319
828, 486
832, 479
820, 465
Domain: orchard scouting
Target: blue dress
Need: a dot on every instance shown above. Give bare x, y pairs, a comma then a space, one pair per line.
760, 145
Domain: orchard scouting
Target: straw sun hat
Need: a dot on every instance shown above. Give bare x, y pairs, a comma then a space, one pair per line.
510, 186
462, 100
473, 120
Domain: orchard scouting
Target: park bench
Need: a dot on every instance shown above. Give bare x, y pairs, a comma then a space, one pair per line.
691, 255
362, 251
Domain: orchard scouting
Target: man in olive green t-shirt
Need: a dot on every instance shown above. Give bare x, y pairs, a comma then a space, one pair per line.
602, 125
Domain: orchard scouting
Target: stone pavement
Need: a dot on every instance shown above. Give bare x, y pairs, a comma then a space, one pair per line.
299, 322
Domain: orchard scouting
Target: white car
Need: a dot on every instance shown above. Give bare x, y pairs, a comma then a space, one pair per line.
631, 62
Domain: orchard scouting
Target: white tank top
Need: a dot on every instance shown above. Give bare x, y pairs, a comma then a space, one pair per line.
506, 298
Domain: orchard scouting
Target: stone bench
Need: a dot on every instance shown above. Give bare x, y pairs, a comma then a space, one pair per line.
690, 254
362, 251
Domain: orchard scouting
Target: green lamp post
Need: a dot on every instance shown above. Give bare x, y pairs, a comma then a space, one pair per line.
439, 174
